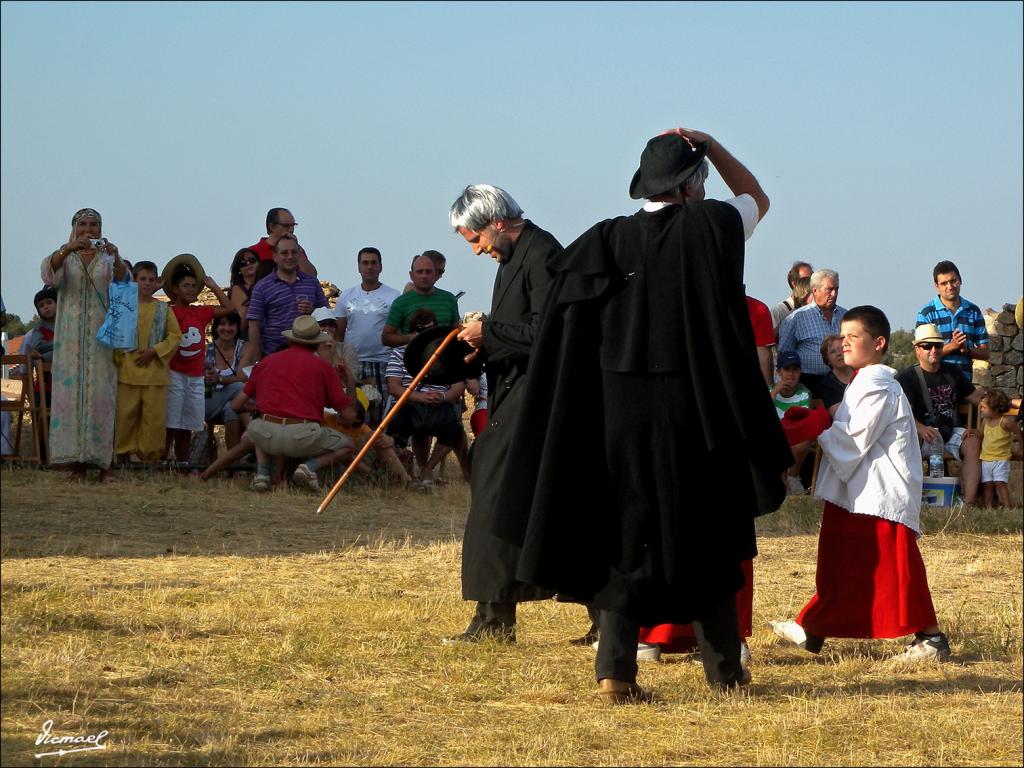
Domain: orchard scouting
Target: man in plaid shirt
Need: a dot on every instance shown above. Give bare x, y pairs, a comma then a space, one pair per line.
805, 328
959, 321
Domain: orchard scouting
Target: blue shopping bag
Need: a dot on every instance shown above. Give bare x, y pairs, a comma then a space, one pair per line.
119, 329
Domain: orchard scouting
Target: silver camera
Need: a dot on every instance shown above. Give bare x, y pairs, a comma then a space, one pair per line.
98, 244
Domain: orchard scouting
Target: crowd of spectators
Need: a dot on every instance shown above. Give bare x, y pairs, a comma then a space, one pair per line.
194, 364
109, 406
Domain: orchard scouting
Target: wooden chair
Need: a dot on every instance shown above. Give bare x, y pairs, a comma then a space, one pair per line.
18, 398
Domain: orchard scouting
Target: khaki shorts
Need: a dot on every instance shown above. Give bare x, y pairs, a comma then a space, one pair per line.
298, 441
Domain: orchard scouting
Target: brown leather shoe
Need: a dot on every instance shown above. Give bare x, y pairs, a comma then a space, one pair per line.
614, 691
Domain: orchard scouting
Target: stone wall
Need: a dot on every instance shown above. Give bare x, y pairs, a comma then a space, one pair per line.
1003, 369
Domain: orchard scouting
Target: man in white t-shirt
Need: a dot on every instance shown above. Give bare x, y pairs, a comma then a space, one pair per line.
361, 311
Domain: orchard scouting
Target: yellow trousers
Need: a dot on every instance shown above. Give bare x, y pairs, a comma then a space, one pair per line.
141, 419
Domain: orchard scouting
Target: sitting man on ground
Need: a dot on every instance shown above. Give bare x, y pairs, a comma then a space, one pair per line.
429, 412
292, 388
787, 393
935, 388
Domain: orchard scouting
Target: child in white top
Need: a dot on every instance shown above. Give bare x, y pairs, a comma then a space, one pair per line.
871, 580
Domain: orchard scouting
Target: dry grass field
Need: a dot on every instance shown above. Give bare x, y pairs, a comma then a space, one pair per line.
205, 625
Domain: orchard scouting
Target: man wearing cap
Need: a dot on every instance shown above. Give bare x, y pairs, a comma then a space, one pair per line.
935, 388
964, 336
644, 379
280, 222
292, 387
804, 330
787, 393
492, 222
278, 299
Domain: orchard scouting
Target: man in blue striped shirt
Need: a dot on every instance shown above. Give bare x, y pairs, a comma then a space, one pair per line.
805, 328
959, 321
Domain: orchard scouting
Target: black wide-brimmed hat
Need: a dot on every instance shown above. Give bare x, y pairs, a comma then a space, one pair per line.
450, 366
666, 163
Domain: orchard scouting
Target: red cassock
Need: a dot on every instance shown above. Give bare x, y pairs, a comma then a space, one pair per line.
870, 580
679, 638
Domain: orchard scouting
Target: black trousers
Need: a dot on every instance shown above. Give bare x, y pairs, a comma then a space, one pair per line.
717, 630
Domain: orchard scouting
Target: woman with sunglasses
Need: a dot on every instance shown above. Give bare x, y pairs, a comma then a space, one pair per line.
243, 277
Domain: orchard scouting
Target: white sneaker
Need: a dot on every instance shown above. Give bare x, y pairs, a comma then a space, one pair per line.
789, 630
744, 655
305, 477
644, 651
648, 652
934, 648
795, 487
260, 483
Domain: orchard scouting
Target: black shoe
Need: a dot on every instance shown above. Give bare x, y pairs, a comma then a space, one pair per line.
504, 635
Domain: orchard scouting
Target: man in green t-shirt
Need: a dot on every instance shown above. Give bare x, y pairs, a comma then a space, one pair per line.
422, 296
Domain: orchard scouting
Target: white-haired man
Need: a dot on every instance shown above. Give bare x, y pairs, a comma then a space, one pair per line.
804, 330
493, 225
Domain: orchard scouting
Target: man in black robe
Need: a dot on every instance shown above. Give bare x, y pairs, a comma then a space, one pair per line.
493, 224
652, 442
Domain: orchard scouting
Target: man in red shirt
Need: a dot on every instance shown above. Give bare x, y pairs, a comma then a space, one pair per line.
280, 222
292, 387
764, 336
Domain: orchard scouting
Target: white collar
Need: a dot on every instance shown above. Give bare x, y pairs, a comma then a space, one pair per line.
652, 207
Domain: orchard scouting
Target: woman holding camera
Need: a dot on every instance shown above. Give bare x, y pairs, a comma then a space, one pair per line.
84, 376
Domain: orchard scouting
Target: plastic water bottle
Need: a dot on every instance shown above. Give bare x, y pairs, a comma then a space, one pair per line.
934, 450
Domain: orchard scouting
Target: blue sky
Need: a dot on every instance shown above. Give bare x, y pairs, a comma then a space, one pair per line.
887, 135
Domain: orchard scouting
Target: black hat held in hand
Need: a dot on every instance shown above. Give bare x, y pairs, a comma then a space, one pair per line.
450, 367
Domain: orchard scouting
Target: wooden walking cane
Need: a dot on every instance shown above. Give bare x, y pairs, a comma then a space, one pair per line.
387, 419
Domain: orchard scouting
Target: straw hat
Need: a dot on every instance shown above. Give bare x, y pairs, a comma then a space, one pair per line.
183, 258
928, 334
305, 330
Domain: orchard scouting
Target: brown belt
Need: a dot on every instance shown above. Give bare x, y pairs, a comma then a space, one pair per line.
285, 420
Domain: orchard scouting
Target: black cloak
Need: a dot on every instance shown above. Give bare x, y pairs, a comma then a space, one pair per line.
650, 441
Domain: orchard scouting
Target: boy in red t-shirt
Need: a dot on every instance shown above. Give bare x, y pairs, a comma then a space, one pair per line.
186, 393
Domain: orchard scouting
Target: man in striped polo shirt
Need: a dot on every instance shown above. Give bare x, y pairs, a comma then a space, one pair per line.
279, 298
424, 295
959, 321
